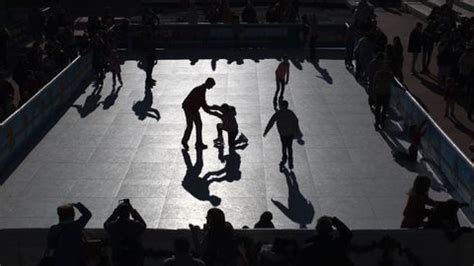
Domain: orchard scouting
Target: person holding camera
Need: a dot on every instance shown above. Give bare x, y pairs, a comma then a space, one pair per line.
125, 228
330, 244
64, 240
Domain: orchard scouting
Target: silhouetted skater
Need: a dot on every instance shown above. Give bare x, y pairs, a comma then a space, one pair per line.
289, 129
150, 56
282, 74
299, 210
125, 235
229, 123
191, 105
114, 63
198, 187
143, 108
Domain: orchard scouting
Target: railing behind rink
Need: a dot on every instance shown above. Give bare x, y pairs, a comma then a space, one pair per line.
437, 148
19, 127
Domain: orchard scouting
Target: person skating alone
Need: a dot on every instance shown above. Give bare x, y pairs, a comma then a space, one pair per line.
191, 105
282, 75
288, 128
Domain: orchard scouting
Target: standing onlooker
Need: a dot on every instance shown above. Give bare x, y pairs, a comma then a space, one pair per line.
415, 44
265, 221
428, 37
125, 235
182, 256
415, 211
65, 238
328, 246
4, 38
445, 62
397, 58
450, 96
150, 56
289, 129
466, 70
382, 81
249, 14
374, 66
364, 52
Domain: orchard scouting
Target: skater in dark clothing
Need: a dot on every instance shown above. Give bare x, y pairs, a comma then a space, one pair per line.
227, 114
282, 75
289, 129
191, 105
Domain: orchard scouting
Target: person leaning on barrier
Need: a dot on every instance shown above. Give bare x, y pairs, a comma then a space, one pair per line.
125, 235
64, 241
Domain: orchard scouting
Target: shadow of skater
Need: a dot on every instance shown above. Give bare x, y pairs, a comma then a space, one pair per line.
324, 73
231, 171
143, 108
196, 186
91, 103
111, 98
299, 210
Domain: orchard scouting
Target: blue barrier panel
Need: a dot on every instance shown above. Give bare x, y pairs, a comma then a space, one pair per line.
437, 148
32, 116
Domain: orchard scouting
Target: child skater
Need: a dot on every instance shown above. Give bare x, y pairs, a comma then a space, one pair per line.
227, 114
114, 63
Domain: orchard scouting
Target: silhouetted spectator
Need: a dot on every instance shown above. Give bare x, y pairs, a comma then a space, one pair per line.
36, 20
6, 99
398, 58
51, 28
107, 18
364, 52
249, 14
35, 56
192, 15
445, 63
236, 31
289, 129
466, 71
428, 37
4, 39
225, 13
374, 66
450, 96
191, 105
380, 40
415, 43
64, 241
125, 235
326, 247
265, 221
282, 76
282, 252
381, 91
415, 211
444, 215
218, 246
182, 255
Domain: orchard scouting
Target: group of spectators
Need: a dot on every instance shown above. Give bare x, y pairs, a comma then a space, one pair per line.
454, 39
215, 244
219, 11
51, 49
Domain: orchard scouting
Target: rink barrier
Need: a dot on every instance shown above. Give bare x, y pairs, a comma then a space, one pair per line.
31, 117
436, 147
428, 247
